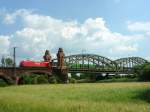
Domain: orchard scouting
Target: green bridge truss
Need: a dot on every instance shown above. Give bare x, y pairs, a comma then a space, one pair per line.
95, 63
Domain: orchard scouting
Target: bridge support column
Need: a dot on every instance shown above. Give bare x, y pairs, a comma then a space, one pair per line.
9, 80
62, 74
61, 70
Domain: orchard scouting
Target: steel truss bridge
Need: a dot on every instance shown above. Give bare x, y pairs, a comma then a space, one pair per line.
80, 63
91, 63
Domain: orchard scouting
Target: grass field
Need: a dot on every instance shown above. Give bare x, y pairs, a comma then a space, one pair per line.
94, 97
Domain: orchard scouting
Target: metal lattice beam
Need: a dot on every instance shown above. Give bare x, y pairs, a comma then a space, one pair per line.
130, 62
81, 62
89, 61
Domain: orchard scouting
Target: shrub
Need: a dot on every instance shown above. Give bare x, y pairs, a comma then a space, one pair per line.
52, 80
33, 79
72, 80
3, 83
27, 79
41, 80
145, 73
99, 77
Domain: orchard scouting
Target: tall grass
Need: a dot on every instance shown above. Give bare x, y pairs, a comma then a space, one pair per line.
101, 97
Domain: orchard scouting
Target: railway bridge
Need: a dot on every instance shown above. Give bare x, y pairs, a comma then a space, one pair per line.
79, 63
92, 63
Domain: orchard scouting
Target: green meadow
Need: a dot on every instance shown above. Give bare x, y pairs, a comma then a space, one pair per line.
89, 97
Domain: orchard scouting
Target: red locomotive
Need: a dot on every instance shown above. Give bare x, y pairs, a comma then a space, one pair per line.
45, 63
28, 63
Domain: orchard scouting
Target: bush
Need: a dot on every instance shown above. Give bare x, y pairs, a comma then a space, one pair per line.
75, 76
100, 77
41, 80
52, 80
145, 73
3, 83
27, 79
72, 80
33, 79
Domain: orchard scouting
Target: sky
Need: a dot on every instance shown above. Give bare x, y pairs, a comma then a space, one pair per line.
110, 28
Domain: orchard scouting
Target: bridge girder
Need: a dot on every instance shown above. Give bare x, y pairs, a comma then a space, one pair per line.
89, 61
92, 62
130, 62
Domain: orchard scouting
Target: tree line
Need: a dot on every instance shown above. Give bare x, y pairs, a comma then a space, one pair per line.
7, 62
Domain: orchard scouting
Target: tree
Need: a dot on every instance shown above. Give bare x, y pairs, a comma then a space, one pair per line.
8, 62
3, 61
145, 73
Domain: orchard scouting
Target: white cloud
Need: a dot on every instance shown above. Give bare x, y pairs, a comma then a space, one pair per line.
42, 32
126, 48
10, 18
139, 26
4, 44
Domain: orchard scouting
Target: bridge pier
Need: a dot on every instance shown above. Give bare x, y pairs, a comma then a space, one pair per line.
8, 75
61, 73
9, 80
61, 70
